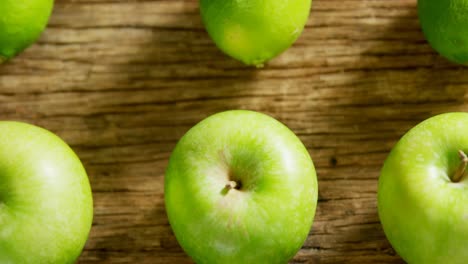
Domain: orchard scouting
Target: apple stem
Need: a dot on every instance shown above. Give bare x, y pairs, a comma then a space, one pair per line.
231, 185
461, 168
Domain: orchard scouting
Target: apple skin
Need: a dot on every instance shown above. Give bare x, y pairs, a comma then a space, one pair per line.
46, 206
424, 214
269, 218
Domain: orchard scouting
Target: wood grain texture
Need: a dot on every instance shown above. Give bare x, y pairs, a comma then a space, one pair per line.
122, 81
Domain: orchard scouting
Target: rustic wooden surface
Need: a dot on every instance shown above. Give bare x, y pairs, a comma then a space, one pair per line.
121, 81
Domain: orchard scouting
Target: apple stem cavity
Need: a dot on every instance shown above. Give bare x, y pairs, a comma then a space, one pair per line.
461, 170
231, 185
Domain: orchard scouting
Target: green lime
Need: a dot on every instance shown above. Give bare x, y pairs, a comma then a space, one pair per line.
254, 31
21, 23
445, 25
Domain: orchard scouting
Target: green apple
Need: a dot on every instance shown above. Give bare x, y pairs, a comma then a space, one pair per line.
46, 206
423, 192
240, 187
21, 23
254, 31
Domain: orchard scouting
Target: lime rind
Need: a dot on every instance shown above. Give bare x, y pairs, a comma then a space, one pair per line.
445, 26
21, 24
254, 31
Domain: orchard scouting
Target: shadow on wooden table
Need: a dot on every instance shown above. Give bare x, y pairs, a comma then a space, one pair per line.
411, 77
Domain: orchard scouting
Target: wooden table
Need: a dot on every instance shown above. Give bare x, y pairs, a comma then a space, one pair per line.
122, 81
